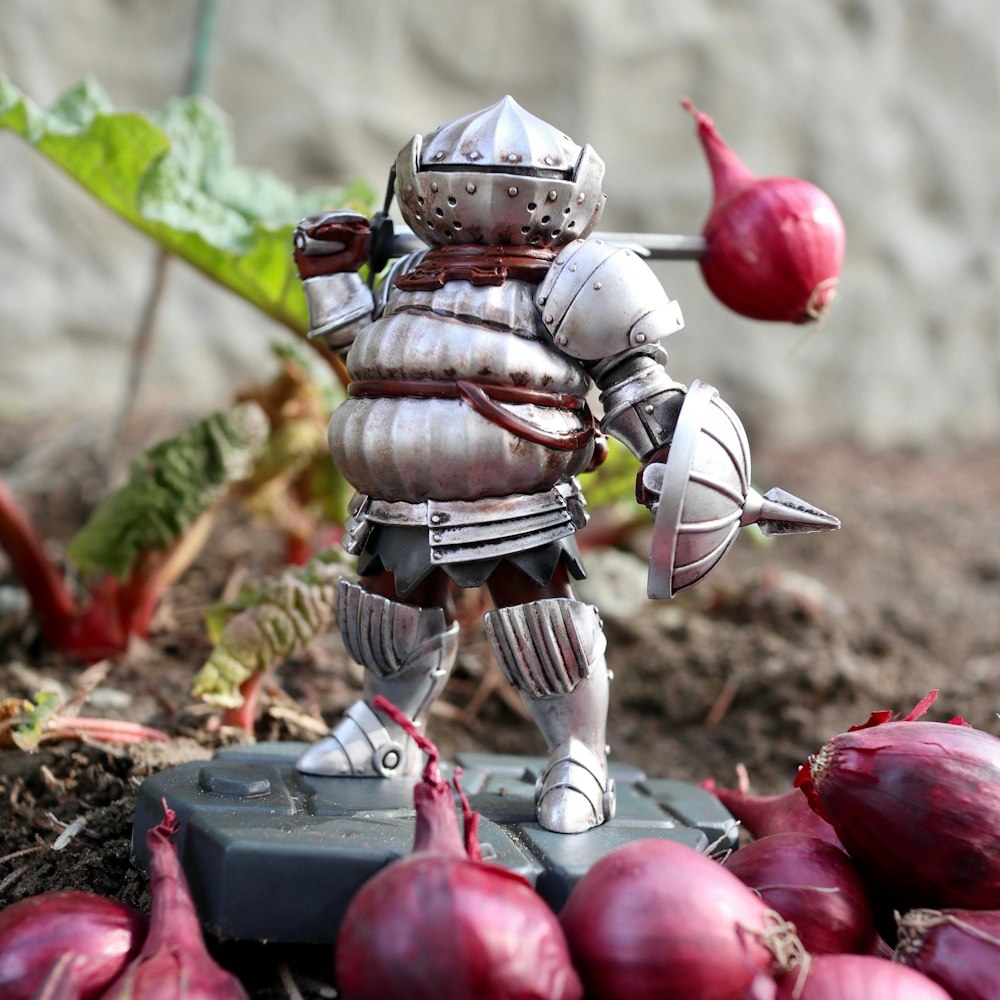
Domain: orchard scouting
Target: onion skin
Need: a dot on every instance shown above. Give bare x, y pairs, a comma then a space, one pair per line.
441, 924
917, 807
433, 925
173, 963
775, 244
812, 884
657, 919
857, 977
958, 949
764, 815
38, 931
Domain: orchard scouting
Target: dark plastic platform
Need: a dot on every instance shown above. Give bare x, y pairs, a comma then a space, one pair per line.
275, 855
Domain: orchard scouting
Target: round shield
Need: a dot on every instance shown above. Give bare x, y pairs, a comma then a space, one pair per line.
706, 480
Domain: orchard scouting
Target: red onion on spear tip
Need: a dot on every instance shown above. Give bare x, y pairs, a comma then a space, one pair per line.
39, 931
917, 807
958, 949
775, 244
441, 924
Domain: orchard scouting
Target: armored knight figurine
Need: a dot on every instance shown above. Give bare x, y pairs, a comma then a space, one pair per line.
466, 424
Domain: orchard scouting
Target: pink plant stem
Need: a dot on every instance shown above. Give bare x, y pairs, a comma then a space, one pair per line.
104, 730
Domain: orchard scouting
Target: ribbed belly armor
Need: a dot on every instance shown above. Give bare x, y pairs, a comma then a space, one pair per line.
397, 446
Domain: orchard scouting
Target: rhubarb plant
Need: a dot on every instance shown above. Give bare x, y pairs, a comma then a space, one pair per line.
269, 620
294, 484
139, 541
173, 175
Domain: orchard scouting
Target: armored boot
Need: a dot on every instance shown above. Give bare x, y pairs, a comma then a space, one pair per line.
408, 653
552, 651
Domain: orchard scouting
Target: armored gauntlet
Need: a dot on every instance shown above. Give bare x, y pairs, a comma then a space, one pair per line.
329, 250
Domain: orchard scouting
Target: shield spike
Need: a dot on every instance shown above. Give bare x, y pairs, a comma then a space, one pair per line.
780, 513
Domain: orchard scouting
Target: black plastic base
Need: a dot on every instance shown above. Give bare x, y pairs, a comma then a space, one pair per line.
275, 855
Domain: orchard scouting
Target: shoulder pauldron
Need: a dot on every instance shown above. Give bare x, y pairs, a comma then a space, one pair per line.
599, 300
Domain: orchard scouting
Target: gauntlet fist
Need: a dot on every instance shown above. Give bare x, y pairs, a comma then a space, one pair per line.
332, 243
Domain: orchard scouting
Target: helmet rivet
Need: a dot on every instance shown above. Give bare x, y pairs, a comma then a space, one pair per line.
551, 196
439, 155
564, 341
542, 299
512, 191
640, 338
572, 267
470, 188
549, 317
547, 160
581, 198
597, 286
512, 157
434, 185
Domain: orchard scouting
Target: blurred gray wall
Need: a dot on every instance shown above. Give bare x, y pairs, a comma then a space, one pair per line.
892, 108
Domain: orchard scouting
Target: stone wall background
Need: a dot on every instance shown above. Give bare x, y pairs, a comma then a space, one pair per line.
892, 108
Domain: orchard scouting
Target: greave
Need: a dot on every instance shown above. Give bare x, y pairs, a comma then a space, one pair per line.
408, 653
552, 651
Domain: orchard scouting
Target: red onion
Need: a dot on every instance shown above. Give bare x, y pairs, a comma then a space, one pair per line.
775, 244
917, 807
856, 977
763, 815
440, 923
958, 949
61, 982
173, 963
656, 918
813, 885
38, 931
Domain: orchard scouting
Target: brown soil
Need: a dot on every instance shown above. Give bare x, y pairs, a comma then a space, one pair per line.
784, 646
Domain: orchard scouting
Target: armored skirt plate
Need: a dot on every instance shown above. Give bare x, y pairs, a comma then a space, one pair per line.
275, 855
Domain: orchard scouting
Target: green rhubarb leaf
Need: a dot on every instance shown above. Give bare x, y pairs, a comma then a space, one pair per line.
269, 621
168, 489
173, 175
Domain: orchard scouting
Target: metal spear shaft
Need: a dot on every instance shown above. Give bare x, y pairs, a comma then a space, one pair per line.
652, 246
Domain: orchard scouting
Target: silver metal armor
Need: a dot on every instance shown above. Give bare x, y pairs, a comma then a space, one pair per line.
499, 176
552, 652
466, 425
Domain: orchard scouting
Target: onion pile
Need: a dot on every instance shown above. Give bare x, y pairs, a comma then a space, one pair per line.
857, 977
81, 946
917, 807
775, 244
958, 949
93, 938
763, 815
812, 884
914, 805
173, 963
658, 919
441, 923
